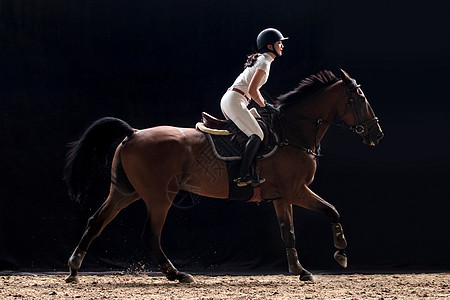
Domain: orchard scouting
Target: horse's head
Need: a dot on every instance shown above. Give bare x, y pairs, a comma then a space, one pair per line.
358, 113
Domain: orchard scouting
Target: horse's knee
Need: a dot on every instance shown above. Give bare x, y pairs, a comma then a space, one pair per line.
287, 235
331, 212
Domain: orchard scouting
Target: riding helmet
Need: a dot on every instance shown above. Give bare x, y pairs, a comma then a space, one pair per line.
268, 36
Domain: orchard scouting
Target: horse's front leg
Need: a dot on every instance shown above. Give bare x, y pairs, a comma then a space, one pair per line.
308, 199
286, 222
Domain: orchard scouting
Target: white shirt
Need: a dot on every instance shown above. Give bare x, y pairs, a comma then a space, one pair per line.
263, 62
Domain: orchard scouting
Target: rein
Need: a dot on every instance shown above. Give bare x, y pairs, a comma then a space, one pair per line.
317, 154
287, 142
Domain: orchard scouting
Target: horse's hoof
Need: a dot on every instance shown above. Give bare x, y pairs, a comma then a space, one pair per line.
338, 235
306, 276
341, 258
72, 279
185, 278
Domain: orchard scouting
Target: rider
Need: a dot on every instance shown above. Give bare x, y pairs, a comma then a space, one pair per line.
246, 87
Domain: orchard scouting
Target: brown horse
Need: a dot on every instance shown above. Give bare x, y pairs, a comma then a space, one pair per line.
154, 164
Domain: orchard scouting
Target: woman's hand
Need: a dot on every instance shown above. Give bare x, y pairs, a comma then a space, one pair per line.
270, 107
253, 88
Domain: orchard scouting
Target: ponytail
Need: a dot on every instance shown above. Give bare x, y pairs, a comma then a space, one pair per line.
251, 59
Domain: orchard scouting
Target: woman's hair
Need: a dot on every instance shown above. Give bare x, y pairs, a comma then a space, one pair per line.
251, 59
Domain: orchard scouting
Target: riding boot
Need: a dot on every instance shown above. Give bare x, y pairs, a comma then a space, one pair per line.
245, 171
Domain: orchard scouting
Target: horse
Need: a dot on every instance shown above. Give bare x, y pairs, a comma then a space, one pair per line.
154, 164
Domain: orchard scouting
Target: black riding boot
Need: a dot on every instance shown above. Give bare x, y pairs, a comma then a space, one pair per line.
245, 171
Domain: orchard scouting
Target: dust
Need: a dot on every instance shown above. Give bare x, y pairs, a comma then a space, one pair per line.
155, 286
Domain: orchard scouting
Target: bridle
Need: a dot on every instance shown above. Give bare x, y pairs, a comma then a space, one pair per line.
362, 127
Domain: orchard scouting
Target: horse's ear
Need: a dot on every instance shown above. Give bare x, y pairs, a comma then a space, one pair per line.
344, 76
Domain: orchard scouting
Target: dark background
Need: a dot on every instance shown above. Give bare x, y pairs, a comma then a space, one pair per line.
64, 64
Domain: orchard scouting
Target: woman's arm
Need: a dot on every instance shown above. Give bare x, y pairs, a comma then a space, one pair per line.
253, 88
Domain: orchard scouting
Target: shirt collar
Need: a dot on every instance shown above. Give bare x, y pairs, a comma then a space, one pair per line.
268, 57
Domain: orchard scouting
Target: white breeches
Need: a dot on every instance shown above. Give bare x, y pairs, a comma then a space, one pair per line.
234, 108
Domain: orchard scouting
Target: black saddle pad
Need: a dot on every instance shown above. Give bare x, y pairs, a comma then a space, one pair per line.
230, 147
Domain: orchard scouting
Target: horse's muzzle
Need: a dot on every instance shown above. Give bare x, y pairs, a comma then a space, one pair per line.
374, 135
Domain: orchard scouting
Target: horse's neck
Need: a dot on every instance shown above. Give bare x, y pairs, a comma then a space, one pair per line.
306, 123
302, 130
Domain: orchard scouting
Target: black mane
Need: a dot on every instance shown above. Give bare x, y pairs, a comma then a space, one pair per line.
307, 86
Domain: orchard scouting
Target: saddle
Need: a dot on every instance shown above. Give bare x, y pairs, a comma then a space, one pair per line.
214, 123
227, 142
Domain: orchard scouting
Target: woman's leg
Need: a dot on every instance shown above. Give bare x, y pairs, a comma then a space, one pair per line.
234, 107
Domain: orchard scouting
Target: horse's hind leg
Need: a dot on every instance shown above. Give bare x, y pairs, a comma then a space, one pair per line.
157, 213
115, 202
308, 199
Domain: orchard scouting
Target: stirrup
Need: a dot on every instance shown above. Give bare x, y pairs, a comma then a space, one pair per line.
257, 182
241, 182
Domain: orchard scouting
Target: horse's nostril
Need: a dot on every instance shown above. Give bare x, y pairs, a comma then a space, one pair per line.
380, 135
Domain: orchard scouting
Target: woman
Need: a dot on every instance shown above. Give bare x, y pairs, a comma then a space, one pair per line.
246, 87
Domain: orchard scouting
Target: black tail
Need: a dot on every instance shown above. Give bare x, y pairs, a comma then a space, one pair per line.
90, 155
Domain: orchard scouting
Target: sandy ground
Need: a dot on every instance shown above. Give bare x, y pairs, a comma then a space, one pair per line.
143, 286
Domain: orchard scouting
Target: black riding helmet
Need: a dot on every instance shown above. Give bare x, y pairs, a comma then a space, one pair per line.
269, 36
